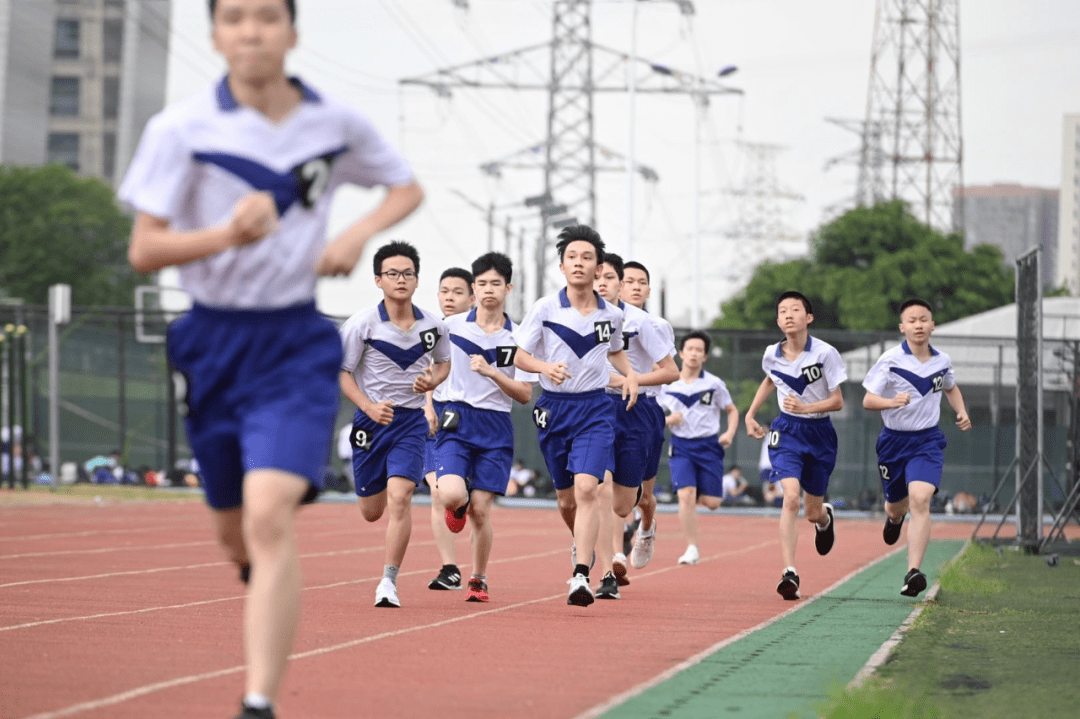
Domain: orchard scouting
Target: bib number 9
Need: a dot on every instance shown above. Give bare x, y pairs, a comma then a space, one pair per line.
361, 438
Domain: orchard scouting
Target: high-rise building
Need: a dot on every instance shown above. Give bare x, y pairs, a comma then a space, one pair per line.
1015, 218
79, 79
1068, 261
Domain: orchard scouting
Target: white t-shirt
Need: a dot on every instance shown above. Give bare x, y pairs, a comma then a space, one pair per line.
554, 331
898, 370
701, 403
199, 157
498, 348
385, 360
812, 376
647, 340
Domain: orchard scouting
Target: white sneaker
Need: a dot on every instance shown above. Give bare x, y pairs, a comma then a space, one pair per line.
581, 593
386, 594
690, 556
643, 547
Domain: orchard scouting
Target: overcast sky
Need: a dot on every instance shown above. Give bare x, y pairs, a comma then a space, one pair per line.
799, 62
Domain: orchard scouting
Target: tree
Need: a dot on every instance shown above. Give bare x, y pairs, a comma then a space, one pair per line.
865, 263
56, 227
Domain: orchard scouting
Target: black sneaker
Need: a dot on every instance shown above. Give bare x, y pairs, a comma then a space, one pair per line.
449, 578
245, 573
247, 712
609, 587
824, 538
914, 583
788, 588
891, 532
628, 536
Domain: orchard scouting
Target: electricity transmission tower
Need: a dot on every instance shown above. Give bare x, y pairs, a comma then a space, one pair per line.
869, 158
571, 69
914, 94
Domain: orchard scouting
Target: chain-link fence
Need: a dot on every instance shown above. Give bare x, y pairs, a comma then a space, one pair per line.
115, 395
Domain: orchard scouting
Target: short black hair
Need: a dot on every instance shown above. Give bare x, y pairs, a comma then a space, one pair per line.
580, 233
460, 273
635, 265
610, 258
290, 5
792, 294
696, 335
494, 261
916, 302
396, 248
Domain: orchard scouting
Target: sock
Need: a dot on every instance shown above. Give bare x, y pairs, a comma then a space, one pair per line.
451, 568
256, 701
647, 532
460, 511
790, 569
245, 573
390, 573
481, 577
582, 569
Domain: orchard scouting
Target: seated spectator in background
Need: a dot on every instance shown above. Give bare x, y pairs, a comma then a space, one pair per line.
521, 480
771, 492
735, 488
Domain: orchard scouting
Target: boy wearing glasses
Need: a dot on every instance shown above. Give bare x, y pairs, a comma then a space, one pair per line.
394, 353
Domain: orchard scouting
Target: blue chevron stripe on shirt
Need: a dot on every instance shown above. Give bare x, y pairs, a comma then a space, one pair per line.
471, 348
798, 384
403, 358
924, 385
688, 400
284, 186
580, 344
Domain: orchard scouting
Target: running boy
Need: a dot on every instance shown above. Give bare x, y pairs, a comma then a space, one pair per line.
636, 291
807, 374
905, 385
636, 452
455, 297
696, 401
234, 186
567, 339
389, 350
476, 436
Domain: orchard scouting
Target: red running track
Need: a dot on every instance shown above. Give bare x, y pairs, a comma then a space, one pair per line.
128, 610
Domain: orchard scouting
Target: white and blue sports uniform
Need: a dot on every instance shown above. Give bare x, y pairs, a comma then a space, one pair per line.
573, 420
911, 446
385, 360
476, 437
438, 400
639, 432
804, 446
696, 455
260, 362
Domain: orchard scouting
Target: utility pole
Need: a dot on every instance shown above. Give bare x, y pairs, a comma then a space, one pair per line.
570, 68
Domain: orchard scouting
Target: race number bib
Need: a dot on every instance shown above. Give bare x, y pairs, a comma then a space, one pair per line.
541, 417
774, 438
504, 356
429, 338
602, 330
361, 438
449, 419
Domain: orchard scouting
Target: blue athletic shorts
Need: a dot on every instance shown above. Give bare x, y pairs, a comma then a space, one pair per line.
639, 439
905, 457
697, 462
384, 451
479, 446
574, 429
803, 448
262, 393
429, 445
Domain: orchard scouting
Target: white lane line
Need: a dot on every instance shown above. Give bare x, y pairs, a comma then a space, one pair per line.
629, 694
878, 658
181, 681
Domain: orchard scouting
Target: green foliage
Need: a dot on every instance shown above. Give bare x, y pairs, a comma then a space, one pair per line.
56, 227
872, 702
865, 263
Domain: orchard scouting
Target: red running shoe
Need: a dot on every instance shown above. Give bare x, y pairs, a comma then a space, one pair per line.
455, 520
477, 591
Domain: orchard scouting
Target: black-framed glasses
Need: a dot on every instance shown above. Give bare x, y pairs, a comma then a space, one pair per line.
397, 274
